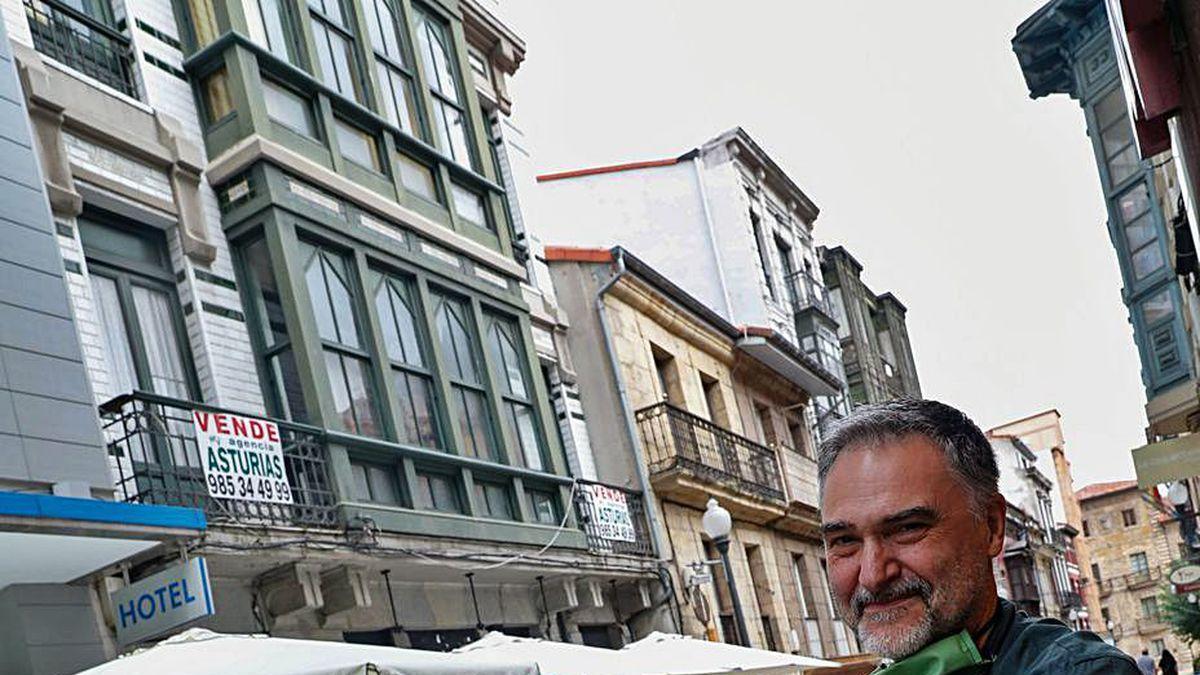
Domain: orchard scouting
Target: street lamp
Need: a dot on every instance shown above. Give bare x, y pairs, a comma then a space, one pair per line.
717, 524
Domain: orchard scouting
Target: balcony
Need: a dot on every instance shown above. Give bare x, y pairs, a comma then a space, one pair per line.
156, 460
1151, 624
1141, 579
677, 442
806, 293
1068, 600
83, 43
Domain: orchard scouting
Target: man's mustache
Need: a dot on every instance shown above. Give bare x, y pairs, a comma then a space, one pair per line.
904, 588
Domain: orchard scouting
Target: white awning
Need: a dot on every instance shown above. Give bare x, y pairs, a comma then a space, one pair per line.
680, 655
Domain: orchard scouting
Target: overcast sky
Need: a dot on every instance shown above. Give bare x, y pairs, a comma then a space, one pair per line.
909, 124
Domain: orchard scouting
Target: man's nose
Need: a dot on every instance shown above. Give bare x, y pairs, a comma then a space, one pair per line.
877, 568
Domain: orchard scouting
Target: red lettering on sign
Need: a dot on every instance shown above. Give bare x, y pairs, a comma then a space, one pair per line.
239, 426
222, 424
201, 419
256, 430
272, 433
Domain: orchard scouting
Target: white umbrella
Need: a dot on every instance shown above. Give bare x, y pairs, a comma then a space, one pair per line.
668, 653
202, 652
553, 658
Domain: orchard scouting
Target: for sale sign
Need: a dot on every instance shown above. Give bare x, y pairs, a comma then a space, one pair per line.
243, 457
611, 513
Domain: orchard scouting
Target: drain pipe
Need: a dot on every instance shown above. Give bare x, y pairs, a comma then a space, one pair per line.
697, 166
635, 444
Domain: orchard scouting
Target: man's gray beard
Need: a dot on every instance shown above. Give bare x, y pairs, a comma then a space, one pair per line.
933, 624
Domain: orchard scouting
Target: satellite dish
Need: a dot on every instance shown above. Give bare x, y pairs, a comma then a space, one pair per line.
1178, 493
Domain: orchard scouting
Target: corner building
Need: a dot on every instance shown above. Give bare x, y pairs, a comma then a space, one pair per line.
302, 212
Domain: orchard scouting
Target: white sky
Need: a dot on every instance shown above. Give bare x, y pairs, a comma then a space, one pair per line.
909, 124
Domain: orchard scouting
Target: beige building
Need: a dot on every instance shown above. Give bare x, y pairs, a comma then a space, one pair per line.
713, 410
1042, 433
1132, 546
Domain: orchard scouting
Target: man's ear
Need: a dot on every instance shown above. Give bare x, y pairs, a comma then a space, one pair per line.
994, 516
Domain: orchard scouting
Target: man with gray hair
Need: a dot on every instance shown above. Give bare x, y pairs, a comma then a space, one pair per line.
912, 517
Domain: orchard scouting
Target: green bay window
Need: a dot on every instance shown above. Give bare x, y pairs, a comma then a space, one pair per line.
374, 482
281, 384
510, 371
450, 128
397, 306
461, 360
331, 287
471, 206
493, 500
334, 43
417, 177
438, 491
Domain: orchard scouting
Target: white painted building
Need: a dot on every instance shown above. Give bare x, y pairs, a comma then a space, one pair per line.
725, 223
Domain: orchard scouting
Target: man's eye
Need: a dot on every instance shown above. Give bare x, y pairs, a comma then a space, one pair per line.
911, 528
841, 541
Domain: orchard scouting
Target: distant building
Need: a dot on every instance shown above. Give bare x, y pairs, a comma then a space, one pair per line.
876, 352
1133, 544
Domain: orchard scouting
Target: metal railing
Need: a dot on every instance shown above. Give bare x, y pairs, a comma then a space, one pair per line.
805, 292
82, 42
1070, 600
674, 438
157, 460
1151, 624
597, 507
1141, 578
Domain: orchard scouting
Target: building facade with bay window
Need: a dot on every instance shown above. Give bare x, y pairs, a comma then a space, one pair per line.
302, 212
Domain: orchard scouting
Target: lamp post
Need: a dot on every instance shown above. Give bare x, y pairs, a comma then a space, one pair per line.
717, 524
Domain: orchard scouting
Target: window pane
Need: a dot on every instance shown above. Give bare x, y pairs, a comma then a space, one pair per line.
399, 106
451, 132
474, 424
456, 341
264, 294
1115, 138
383, 484
1147, 260
418, 424
362, 488
164, 350
118, 355
492, 499
357, 145
286, 382
358, 375
314, 279
398, 322
469, 206
1158, 307
436, 54
217, 102
381, 24
341, 395
328, 280
271, 13
1133, 203
288, 109
1111, 107
417, 178
343, 58
542, 506
526, 433
1124, 165
506, 359
1139, 232
437, 492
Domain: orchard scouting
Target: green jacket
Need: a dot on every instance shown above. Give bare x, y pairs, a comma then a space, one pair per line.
1020, 645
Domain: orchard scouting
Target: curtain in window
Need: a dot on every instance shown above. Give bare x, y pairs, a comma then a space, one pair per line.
510, 369
460, 353
118, 354
395, 300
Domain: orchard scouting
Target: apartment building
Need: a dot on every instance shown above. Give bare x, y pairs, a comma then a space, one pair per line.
707, 409
876, 353
727, 224
1133, 544
297, 218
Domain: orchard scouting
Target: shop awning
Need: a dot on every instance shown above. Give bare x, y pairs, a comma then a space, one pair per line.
681, 655
1167, 461
61, 539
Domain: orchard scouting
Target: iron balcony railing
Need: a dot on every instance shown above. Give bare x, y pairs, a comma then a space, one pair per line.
598, 509
1141, 578
157, 460
805, 292
82, 42
676, 439
1070, 600
1151, 624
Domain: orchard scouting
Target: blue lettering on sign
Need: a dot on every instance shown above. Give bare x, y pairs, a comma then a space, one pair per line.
171, 595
